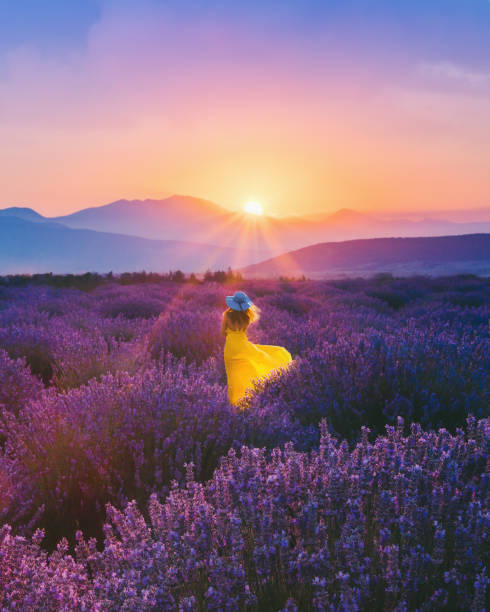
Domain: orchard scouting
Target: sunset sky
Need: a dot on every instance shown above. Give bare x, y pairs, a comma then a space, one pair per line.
303, 105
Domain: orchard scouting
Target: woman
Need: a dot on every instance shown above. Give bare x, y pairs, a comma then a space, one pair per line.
245, 361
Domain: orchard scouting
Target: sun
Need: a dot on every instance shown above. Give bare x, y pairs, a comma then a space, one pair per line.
254, 208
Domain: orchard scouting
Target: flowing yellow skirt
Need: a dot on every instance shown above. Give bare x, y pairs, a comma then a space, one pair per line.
245, 361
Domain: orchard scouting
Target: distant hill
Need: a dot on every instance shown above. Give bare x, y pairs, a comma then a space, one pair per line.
196, 220
31, 247
188, 218
401, 256
22, 213
157, 219
32, 243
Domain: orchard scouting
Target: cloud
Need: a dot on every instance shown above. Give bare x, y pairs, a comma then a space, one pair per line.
455, 73
146, 61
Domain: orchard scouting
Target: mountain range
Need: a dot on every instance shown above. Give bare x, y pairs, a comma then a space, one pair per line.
187, 233
34, 247
196, 220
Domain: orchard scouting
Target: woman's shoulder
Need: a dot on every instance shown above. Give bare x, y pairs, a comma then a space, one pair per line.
235, 337
232, 333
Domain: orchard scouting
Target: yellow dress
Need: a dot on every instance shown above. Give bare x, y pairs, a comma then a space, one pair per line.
245, 361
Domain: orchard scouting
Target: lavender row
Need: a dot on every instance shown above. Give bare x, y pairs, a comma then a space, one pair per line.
106, 396
401, 523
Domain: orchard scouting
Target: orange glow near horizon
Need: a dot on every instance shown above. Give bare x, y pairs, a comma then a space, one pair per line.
359, 172
158, 101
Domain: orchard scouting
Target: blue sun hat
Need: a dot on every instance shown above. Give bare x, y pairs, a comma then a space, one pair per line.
240, 301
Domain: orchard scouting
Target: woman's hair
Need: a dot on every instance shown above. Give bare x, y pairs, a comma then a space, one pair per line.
238, 320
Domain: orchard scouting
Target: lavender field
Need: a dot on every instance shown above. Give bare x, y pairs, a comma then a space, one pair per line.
357, 480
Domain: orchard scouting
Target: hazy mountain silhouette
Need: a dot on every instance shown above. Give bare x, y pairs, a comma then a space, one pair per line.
29, 247
188, 233
22, 213
176, 216
433, 255
459, 215
196, 220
